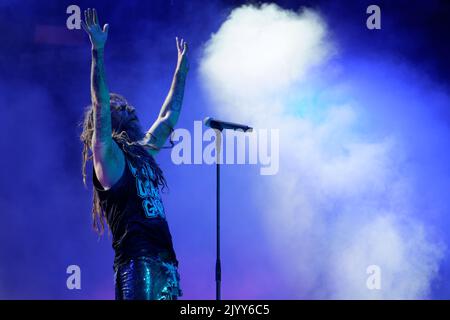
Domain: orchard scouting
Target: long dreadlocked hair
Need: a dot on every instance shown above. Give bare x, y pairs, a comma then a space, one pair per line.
134, 151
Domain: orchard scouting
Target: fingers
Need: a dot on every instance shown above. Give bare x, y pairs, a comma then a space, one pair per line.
90, 17
181, 46
94, 16
178, 46
106, 28
86, 18
85, 27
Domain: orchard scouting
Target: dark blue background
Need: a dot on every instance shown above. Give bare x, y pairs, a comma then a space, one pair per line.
44, 87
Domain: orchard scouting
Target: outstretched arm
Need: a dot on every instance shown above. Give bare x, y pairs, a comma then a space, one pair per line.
108, 158
170, 111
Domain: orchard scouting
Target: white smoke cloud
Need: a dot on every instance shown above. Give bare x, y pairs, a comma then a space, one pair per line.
260, 53
341, 203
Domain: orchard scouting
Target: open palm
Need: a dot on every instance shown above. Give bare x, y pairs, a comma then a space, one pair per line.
182, 49
91, 26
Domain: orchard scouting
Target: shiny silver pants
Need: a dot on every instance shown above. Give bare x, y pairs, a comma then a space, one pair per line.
146, 278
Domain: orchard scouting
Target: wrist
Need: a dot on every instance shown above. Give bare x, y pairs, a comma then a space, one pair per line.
97, 54
98, 49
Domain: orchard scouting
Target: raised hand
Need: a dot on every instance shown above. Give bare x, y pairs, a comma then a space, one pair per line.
182, 64
91, 26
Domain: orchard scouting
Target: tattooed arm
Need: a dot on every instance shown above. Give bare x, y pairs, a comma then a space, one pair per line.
109, 160
170, 111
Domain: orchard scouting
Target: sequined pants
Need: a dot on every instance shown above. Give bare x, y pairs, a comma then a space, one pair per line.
147, 278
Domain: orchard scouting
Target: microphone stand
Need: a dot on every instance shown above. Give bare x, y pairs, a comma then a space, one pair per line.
218, 127
218, 262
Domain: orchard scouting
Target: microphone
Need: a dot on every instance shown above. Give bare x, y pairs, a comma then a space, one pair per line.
220, 125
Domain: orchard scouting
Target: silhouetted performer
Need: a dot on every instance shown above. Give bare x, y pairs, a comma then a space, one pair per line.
126, 178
